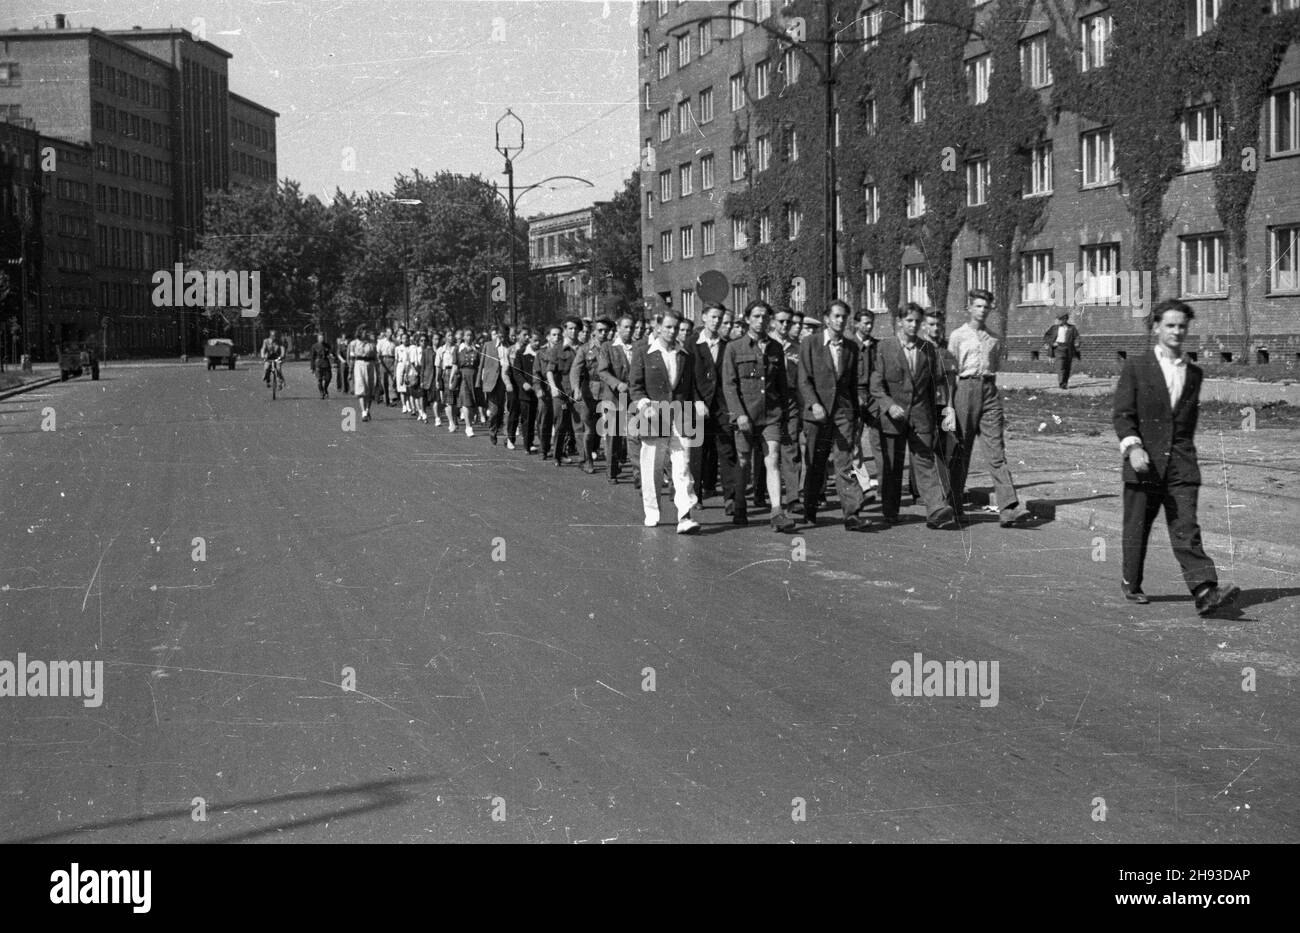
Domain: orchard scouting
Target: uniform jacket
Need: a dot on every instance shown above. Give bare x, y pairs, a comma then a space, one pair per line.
613, 367
1168, 434
320, 357
754, 381
582, 374
919, 395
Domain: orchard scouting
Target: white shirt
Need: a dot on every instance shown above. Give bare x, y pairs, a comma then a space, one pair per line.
1174, 369
714, 344
837, 348
1063, 333
670, 360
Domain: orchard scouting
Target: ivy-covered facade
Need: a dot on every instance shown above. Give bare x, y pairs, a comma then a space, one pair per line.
1069, 155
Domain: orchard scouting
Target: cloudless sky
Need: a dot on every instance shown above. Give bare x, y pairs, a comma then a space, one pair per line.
388, 85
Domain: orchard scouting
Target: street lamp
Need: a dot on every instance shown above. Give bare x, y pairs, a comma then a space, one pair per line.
406, 277
510, 142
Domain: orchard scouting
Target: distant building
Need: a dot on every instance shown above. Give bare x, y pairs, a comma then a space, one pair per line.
162, 130
559, 280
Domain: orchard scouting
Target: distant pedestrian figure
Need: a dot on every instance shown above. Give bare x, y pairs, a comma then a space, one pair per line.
1156, 406
365, 373
1062, 344
320, 364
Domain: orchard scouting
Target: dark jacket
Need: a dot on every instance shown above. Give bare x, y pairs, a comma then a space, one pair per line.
754, 382
1071, 340
1168, 434
321, 356
920, 396
708, 377
650, 381
489, 368
613, 368
849, 391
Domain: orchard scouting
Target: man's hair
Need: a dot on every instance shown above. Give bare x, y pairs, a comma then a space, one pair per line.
976, 293
756, 303
688, 322
661, 316
840, 303
937, 314
709, 307
864, 313
1169, 304
571, 320
1063, 316
909, 309
606, 321
625, 317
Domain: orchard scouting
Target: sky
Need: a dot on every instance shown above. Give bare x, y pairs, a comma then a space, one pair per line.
367, 89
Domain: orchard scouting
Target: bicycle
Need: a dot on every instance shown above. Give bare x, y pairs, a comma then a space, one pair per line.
277, 377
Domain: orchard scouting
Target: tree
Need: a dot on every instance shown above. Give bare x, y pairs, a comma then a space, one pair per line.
614, 251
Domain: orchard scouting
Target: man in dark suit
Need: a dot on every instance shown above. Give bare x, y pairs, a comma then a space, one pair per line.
834, 389
663, 390
542, 389
1157, 403
560, 364
1061, 341
494, 378
715, 459
908, 386
523, 407
614, 369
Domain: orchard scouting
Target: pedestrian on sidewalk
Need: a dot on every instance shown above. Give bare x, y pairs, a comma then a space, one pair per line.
1062, 344
1157, 403
979, 407
320, 365
365, 375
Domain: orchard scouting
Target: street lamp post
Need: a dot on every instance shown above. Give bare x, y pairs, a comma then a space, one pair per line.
510, 142
406, 277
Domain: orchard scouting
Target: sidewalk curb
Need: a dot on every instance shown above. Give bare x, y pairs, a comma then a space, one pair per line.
27, 387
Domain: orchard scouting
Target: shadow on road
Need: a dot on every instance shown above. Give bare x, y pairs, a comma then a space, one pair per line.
379, 795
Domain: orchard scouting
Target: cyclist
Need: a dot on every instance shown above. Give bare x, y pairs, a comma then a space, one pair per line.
272, 349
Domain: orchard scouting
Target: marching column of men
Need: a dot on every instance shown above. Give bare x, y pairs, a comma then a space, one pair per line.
755, 409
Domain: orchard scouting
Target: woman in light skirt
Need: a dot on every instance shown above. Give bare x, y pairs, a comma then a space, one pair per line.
365, 373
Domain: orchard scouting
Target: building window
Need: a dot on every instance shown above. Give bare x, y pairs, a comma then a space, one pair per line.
688, 242
918, 100
762, 10
737, 91
1201, 139
706, 105
737, 163
1035, 276
979, 273
663, 7
687, 308
665, 125
704, 37
762, 76
1203, 266
1039, 170
1035, 66
915, 198
666, 246
665, 66
1284, 262
649, 259
1284, 116
765, 227
1100, 270
683, 50
869, 25
734, 13
1096, 32
913, 14
794, 219
1098, 158
916, 284
739, 297
706, 171
684, 186
765, 292
978, 72
873, 287
645, 96
835, 124
790, 143
763, 152
650, 205
11, 74
790, 65
739, 235
869, 124
977, 182
1201, 16
665, 186
1282, 6
839, 212
871, 203
645, 43
708, 239
684, 116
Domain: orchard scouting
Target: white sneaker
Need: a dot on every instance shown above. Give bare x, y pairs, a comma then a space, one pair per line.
469, 432
687, 526
652, 520
437, 422
451, 427
510, 445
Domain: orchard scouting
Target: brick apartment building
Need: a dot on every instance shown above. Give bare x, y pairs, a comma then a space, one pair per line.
152, 108
559, 283
723, 146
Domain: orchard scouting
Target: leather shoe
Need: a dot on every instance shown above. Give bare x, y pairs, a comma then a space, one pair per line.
857, 523
1215, 598
941, 519
1134, 595
588, 467
739, 518
796, 508
782, 524
1012, 517
810, 518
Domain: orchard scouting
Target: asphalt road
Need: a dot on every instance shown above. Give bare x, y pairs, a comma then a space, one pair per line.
516, 688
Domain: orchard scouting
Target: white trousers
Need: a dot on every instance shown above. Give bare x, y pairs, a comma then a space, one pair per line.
653, 450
